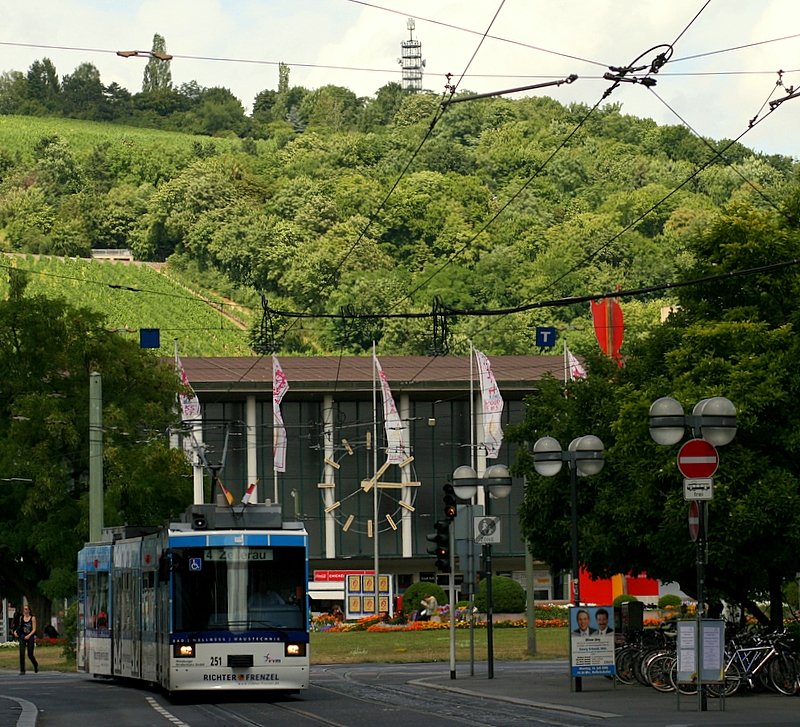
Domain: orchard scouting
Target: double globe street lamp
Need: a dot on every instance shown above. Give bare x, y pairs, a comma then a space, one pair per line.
584, 457
496, 484
713, 424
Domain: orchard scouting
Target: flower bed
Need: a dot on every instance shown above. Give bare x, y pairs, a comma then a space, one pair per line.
385, 624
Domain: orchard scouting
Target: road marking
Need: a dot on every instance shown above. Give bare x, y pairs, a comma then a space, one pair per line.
164, 713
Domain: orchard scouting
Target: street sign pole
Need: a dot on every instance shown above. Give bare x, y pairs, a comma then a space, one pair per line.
701, 576
451, 587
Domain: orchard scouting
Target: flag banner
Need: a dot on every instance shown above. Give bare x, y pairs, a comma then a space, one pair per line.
249, 493
492, 407
190, 404
574, 367
280, 385
190, 412
395, 447
226, 492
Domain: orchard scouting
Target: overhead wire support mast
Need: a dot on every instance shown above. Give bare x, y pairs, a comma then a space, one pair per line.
561, 81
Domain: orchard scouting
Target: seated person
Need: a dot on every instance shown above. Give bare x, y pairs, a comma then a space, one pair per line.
262, 598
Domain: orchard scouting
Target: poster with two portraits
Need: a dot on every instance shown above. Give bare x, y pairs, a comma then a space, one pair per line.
591, 642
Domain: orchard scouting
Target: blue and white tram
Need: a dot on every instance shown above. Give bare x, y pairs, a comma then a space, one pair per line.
215, 601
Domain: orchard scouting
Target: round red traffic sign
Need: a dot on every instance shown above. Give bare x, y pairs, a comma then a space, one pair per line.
694, 520
698, 458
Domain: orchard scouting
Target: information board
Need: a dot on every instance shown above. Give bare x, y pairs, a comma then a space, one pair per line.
711, 651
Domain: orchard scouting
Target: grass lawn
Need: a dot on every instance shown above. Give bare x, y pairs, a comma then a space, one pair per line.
400, 647
49, 657
392, 647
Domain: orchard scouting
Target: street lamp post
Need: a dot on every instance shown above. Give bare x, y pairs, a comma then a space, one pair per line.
496, 484
584, 457
713, 420
144, 54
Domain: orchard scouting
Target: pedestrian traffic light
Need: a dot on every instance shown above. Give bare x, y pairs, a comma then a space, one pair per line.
441, 545
449, 500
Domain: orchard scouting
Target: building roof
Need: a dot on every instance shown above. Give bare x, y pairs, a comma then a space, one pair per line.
355, 373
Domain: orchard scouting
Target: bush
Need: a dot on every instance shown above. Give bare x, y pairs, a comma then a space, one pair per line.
416, 592
669, 600
70, 628
624, 598
508, 596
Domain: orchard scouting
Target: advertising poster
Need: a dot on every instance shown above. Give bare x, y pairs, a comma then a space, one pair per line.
360, 595
591, 642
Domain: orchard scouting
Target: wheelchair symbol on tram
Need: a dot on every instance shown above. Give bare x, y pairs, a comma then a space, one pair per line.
195, 564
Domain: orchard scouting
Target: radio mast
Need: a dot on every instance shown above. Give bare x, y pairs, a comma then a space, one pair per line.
411, 60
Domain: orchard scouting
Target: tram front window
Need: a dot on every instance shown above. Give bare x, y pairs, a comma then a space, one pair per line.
239, 589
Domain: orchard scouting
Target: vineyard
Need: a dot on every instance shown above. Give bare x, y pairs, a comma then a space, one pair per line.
20, 134
134, 296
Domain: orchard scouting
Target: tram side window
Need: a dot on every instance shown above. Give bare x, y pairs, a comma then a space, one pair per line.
97, 600
148, 601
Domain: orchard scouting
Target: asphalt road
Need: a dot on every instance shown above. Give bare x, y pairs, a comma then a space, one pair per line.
521, 693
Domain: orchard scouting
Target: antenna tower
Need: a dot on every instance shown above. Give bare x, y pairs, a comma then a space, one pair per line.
411, 60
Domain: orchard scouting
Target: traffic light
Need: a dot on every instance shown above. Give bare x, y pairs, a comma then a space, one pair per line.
441, 545
449, 500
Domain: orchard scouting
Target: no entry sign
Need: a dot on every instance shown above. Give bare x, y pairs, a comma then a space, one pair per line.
694, 520
698, 458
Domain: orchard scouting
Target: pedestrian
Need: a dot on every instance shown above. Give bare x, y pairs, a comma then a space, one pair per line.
26, 633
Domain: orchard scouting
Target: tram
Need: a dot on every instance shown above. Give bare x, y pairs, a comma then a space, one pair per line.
216, 601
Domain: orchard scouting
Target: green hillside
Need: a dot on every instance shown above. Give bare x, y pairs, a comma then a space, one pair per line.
135, 296
354, 229
20, 134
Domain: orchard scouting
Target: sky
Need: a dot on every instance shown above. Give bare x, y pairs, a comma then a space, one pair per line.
723, 67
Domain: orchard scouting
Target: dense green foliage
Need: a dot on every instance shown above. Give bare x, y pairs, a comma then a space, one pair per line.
508, 596
298, 209
734, 336
47, 351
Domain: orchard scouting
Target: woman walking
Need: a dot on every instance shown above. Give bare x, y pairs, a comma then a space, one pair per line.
26, 633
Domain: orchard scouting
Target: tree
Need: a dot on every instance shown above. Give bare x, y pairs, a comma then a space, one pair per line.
218, 111
83, 93
43, 85
330, 107
736, 338
157, 73
44, 440
13, 92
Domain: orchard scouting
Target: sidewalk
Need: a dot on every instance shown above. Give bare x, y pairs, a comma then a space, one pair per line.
546, 685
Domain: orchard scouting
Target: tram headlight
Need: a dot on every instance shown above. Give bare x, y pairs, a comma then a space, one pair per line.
293, 649
183, 651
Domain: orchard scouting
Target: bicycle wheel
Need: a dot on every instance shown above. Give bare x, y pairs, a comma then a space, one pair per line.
732, 682
638, 665
682, 687
657, 670
782, 673
624, 661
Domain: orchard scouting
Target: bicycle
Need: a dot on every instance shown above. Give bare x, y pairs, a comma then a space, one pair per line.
766, 659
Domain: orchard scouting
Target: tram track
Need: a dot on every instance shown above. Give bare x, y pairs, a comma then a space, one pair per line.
229, 716
459, 707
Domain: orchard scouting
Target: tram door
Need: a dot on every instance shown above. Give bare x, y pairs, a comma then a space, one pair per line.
126, 594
